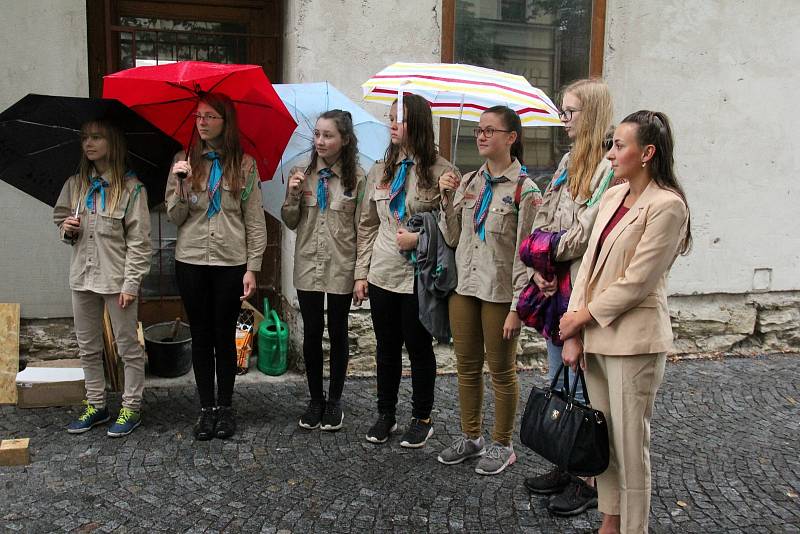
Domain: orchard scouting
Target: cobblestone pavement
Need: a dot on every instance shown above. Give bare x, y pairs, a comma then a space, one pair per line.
725, 459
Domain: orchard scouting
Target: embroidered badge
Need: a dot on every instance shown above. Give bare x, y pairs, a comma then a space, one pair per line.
508, 200
469, 196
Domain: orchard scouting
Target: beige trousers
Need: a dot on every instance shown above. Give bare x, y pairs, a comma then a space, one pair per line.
87, 308
624, 389
477, 328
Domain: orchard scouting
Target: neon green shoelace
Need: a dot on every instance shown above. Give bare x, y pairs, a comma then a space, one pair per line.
88, 412
124, 415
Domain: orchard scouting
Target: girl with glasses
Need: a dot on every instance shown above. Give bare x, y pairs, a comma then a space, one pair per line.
485, 217
398, 187
323, 206
214, 198
567, 215
102, 212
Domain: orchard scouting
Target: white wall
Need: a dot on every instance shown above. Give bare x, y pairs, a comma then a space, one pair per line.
44, 50
345, 42
726, 72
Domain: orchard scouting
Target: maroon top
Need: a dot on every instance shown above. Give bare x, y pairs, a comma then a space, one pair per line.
619, 214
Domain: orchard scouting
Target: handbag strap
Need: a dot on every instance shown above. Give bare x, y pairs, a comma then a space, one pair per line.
565, 378
574, 389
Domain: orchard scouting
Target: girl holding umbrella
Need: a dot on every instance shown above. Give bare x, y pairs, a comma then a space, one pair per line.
221, 238
486, 216
403, 184
323, 205
102, 212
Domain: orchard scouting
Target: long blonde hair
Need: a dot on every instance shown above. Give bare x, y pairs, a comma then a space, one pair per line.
117, 167
594, 121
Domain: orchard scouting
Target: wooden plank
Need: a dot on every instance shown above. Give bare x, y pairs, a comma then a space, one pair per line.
598, 36
9, 352
110, 357
448, 56
15, 452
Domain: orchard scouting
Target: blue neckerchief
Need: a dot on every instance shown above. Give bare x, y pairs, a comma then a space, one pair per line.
397, 195
98, 184
214, 182
322, 187
483, 202
561, 178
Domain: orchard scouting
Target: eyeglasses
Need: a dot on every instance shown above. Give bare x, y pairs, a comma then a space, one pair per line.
488, 131
199, 117
566, 115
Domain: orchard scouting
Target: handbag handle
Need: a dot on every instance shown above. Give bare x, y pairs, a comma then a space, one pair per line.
574, 389
565, 379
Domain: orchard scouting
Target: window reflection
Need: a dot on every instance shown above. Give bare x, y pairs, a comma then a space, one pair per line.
546, 41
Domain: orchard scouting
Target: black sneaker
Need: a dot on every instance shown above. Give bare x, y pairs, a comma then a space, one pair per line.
553, 482
313, 415
416, 434
576, 498
205, 425
383, 427
332, 417
226, 422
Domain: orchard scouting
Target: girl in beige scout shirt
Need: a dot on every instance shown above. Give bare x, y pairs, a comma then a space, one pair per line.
397, 188
323, 205
487, 218
617, 327
221, 238
102, 212
571, 201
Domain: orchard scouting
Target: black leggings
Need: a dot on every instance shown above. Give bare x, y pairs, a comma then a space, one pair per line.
312, 308
211, 294
395, 318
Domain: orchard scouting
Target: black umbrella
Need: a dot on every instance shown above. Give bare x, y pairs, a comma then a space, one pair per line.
40, 144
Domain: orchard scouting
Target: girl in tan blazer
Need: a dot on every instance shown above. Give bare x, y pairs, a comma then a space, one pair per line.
403, 184
323, 206
102, 212
570, 205
617, 326
485, 218
214, 198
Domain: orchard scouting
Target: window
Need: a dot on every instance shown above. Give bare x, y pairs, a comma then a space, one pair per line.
549, 42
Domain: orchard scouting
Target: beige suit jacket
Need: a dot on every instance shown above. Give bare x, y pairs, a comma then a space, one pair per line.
624, 283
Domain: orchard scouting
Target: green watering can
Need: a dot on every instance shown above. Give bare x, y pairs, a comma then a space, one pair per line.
273, 341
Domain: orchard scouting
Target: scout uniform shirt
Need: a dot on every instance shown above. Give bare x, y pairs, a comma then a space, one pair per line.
111, 254
379, 259
491, 270
325, 249
236, 235
559, 211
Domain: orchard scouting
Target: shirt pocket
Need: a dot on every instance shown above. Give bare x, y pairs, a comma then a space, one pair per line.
110, 226
341, 221
231, 200
381, 198
426, 200
198, 200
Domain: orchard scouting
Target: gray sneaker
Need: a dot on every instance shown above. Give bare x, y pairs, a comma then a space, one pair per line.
462, 449
497, 458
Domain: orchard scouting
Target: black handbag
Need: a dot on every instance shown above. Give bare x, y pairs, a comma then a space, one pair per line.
572, 435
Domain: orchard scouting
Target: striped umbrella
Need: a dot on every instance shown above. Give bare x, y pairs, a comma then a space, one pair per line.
462, 91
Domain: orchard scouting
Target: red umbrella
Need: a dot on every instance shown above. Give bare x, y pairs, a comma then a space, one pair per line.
167, 96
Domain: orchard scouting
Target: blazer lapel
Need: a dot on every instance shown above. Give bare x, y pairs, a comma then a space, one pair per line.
627, 219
